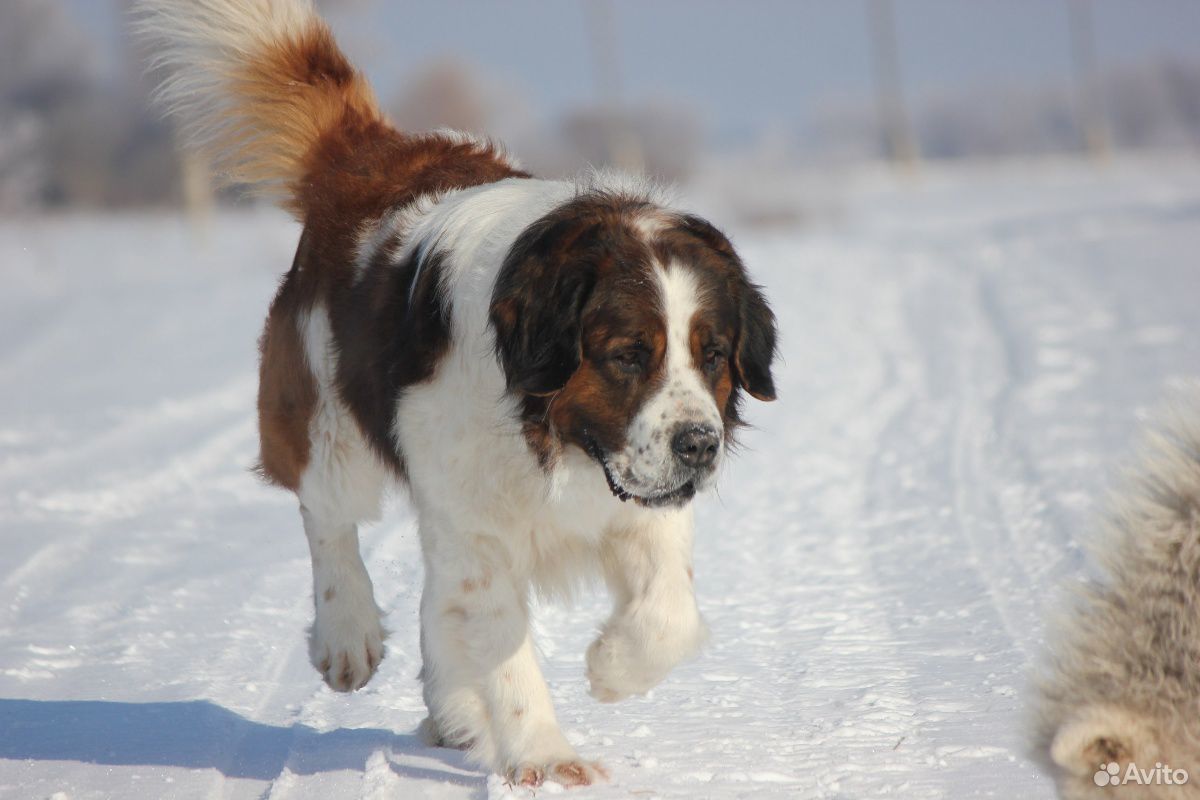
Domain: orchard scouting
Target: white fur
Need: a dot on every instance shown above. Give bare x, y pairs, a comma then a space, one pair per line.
344, 479
647, 465
626, 184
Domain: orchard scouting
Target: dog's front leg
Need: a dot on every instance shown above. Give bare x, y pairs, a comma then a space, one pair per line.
483, 684
655, 623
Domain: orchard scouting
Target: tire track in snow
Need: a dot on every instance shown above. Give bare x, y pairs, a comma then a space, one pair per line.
977, 455
91, 511
951, 436
137, 432
883, 721
952, 567
811, 605
288, 655
380, 773
129, 497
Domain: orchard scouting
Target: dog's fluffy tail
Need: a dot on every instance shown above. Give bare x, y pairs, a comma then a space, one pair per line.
1124, 684
258, 85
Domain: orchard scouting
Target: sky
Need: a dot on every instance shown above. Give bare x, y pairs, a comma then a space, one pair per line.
743, 66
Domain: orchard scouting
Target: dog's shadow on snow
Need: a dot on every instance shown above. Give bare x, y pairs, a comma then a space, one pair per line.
198, 735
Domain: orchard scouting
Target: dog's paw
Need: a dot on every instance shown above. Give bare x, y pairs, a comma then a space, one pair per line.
614, 673
430, 734
347, 644
626, 661
566, 772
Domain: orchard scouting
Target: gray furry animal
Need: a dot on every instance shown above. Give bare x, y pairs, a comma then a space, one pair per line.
1123, 684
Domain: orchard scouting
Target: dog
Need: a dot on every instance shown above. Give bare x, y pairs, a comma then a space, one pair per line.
553, 370
1122, 687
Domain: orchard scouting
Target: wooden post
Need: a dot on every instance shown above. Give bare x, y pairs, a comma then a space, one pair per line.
623, 148
894, 121
198, 195
1089, 99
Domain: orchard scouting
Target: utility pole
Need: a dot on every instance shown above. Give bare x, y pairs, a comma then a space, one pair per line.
1089, 100
199, 197
623, 148
893, 117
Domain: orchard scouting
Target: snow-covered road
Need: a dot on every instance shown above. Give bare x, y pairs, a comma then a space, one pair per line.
965, 359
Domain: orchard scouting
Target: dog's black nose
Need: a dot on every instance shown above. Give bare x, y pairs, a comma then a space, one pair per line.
696, 446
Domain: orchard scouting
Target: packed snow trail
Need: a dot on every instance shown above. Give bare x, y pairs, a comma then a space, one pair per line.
964, 360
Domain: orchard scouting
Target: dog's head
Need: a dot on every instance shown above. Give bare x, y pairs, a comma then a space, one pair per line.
630, 332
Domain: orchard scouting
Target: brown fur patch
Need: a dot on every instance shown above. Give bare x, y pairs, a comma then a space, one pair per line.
572, 774
287, 392
1105, 749
528, 776
391, 333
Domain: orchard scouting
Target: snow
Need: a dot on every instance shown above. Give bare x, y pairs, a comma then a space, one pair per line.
965, 358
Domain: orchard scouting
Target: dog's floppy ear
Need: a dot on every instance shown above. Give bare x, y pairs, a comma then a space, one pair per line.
756, 342
536, 308
756, 336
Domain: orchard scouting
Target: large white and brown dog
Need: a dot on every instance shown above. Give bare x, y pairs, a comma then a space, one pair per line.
553, 369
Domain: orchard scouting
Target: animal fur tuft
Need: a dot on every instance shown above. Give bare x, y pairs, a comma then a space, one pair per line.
256, 85
1123, 684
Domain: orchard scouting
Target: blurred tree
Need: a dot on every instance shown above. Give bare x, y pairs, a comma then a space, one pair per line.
94, 142
43, 57
42, 63
663, 140
445, 94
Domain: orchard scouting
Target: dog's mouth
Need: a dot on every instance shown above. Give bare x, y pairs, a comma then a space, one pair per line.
674, 497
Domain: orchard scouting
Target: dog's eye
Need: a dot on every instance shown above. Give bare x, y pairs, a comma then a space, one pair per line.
631, 359
713, 358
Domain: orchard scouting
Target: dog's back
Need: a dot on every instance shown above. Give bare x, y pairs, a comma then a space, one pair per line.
262, 90
1124, 685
